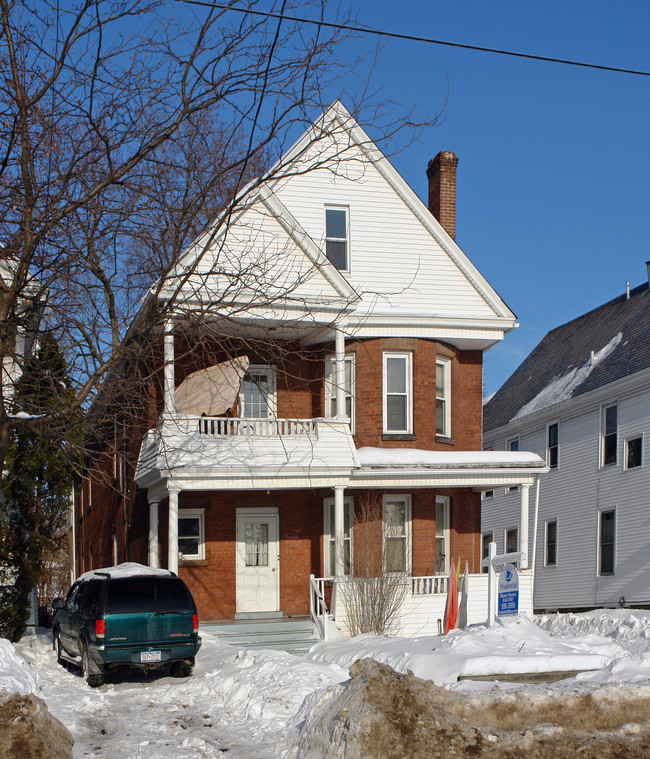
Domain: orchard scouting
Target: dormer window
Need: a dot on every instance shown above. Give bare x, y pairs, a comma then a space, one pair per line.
336, 237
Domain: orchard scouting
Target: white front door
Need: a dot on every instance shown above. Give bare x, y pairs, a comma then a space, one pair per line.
258, 554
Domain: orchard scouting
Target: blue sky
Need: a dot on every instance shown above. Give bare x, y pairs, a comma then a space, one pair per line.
554, 172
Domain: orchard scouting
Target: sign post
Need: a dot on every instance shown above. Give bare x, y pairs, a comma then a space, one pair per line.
508, 590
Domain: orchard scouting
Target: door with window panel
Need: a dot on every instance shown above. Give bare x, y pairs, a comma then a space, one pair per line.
258, 580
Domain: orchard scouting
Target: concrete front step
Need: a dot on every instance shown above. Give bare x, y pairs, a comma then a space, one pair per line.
295, 635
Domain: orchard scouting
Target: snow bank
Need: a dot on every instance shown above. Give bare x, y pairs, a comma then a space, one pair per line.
16, 675
511, 646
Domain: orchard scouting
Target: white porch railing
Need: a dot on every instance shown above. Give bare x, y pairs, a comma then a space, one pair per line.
317, 606
423, 608
239, 427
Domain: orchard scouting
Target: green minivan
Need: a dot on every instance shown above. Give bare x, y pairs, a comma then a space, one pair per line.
129, 615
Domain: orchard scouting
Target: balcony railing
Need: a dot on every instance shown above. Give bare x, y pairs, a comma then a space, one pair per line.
236, 427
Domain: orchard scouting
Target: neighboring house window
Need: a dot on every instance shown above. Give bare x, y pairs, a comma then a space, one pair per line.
486, 539
329, 537
633, 452
609, 434
397, 533
513, 445
336, 237
488, 494
348, 387
191, 533
443, 397
442, 535
397, 393
607, 542
511, 540
551, 543
553, 445
257, 395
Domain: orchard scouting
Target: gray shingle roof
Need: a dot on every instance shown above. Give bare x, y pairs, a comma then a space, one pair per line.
562, 358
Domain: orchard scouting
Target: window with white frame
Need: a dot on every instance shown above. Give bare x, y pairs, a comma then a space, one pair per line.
442, 535
609, 434
553, 445
486, 539
398, 400
191, 533
397, 533
257, 394
607, 542
337, 237
634, 452
443, 396
348, 387
512, 445
329, 536
511, 540
550, 538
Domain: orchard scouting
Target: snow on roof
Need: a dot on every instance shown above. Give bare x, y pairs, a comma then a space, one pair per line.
562, 387
127, 569
414, 457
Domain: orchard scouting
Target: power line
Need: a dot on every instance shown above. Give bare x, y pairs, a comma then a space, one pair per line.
413, 38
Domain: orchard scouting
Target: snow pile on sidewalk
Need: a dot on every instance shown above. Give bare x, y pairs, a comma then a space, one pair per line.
16, 675
511, 646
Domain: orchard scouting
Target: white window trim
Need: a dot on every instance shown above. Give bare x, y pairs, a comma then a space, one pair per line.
557, 542
445, 501
505, 538
409, 391
625, 452
328, 538
513, 488
270, 372
406, 500
446, 364
601, 446
598, 533
330, 389
335, 207
188, 514
548, 447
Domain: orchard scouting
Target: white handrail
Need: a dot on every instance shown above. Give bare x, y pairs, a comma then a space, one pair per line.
317, 606
218, 426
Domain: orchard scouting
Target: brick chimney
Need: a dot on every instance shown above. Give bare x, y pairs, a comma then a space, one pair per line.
441, 172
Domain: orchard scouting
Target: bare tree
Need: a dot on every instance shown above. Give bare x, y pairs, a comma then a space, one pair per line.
373, 593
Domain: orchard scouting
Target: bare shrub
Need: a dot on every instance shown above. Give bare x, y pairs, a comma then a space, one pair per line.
373, 593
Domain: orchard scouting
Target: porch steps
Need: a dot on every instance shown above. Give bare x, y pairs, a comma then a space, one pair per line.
292, 634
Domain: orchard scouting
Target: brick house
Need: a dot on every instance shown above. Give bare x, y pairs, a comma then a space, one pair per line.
323, 351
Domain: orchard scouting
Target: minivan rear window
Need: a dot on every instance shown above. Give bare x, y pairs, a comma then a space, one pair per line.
147, 594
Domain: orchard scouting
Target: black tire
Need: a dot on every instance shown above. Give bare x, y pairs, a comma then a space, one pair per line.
93, 674
182, 668
56, 643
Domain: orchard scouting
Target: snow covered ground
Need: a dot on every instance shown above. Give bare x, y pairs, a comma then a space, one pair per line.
251, 704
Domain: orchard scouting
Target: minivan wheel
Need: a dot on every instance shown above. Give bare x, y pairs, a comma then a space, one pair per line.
90, 671
57, 647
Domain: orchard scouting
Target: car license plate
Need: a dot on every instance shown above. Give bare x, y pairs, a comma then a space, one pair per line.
148, 656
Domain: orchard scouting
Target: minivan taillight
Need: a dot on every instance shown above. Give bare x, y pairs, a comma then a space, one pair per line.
100, 628
195, 623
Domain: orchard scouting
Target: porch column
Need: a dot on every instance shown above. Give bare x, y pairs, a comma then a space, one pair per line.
172, 550
339, 376
168, 376
339, 531
523, 525
153, 534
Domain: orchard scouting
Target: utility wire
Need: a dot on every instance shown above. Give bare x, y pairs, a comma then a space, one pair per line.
413, 38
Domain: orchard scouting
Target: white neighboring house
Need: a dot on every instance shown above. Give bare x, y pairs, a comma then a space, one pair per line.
582, 400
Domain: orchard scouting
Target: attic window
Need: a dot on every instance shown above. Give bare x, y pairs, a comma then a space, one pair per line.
336, 237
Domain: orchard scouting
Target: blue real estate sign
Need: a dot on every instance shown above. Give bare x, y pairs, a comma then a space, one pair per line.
509, 591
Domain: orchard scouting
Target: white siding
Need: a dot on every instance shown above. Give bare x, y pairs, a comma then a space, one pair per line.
575, 493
